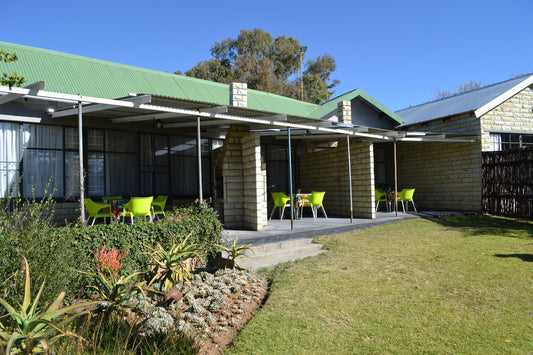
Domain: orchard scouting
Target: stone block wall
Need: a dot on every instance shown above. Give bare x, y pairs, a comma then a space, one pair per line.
446, 176
238, 94
243, 179
344, 112
67, 211
466, 124
255, 186
327, 170
513, 115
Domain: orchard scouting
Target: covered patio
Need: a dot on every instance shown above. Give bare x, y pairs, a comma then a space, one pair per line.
237, 177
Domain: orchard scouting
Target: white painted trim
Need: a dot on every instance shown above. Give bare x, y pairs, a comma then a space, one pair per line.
38, 85
25, 119
143, 99
148, 117
216, 109
204, 124
55, 96
503, 97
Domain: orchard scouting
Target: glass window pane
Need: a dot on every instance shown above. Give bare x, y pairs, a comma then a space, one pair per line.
95, 174
40, 167
184, 173
495, 141
527, 140
95, 139
10, 156
120, 141
39, 136
71, 138
184, 146
72, 175
122, 174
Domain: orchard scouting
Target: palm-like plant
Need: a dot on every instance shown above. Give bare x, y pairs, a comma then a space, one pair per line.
170, 265
31, 329
236, 251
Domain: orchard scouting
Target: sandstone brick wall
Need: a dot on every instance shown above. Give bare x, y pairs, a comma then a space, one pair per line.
244, 180
446, 176
327, 170
69, 211
435, 169
254, 171
513, 115
466, 123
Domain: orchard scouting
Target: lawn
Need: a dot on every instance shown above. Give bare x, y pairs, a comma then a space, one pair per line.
460, 285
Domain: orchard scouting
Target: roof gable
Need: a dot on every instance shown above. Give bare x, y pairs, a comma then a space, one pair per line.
478, 101
331, 105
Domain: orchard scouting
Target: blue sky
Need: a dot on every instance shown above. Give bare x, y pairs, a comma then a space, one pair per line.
397, 51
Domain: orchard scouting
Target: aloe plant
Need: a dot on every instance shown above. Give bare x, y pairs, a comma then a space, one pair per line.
113, 288
236, 251
170, 265
32, 329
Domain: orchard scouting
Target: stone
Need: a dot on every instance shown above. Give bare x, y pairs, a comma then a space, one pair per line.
173, 295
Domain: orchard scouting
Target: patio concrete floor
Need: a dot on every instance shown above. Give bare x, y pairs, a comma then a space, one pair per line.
280, 230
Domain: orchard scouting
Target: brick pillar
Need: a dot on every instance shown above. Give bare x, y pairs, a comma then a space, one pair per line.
363, 184
244, 180
344, 112
254, 170
238, 95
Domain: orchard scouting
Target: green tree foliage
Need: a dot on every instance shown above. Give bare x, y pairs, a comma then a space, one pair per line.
268, 64
13, 79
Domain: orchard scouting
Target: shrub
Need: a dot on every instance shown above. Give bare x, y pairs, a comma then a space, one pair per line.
26, 226
30, 328
199, 221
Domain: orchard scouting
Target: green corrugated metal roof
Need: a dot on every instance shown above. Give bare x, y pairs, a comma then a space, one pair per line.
73, 74
331, 105
265, 101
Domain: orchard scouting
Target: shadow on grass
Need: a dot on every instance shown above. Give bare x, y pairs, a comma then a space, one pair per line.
523, 257
488, 225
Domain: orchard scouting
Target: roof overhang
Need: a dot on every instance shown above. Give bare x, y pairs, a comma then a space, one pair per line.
169, 113
503, 97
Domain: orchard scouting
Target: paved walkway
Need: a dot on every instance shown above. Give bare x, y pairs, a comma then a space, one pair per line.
277, 230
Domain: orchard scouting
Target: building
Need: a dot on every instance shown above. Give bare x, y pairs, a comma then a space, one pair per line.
145, 132
447, 175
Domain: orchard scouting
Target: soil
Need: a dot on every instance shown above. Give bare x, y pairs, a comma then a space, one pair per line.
217, 344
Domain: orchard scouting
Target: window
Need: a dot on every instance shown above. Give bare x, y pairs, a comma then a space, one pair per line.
277, 162
10, 157
121, 163
184, 168
503, 141
42, 160
115, 162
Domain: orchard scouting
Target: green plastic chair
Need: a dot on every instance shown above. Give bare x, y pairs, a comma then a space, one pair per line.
158, 205
97, 210
280, 201
315, 201
381, 197
138, 207
406, 195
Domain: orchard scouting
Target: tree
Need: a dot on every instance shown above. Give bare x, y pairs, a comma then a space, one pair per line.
466, 87
13, 79
268, 64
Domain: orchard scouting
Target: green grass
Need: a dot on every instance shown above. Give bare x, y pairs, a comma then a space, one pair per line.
461, 285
